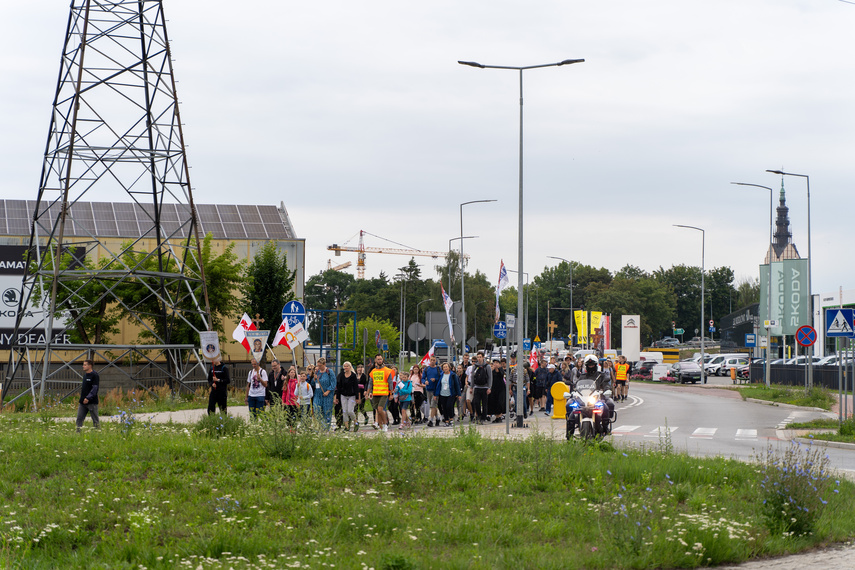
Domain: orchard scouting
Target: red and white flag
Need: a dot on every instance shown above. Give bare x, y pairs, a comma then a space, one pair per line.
426, 359
239, 334
532, 359
448, 304
290, 336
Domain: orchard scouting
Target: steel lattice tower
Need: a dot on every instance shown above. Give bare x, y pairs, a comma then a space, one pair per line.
115, 135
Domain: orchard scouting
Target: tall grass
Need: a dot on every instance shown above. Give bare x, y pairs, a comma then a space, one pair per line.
176, 496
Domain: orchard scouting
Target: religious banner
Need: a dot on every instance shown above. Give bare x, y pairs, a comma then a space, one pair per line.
210, 343
257, 342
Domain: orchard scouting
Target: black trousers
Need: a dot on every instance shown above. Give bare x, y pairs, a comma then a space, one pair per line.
479, 402
446, 407
218, 398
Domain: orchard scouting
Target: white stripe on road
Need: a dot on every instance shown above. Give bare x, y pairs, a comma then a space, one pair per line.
661, 431
746, 434
705, 433
624, 430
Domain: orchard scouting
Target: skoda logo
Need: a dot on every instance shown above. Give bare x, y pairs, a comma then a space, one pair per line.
11, 297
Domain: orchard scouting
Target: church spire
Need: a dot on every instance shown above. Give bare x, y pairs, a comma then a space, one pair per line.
782, 246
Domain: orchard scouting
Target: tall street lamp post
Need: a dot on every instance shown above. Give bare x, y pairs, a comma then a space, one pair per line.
520, 215
769, 290
703, 239
462, 276
463, 312
810, 261
570, 263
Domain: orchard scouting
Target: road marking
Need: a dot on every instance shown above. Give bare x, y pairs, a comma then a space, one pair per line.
661, 431
624, 430
704, 433
745, 434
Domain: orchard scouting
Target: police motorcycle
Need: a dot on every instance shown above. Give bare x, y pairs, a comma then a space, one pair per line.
587, 409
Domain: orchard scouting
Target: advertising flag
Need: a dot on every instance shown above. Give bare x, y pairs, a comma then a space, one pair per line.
596, 317
448, 303
239, 334
581, 327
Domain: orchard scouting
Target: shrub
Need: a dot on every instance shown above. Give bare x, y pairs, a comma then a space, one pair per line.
847, 428
282, 435
792, 486
218, 425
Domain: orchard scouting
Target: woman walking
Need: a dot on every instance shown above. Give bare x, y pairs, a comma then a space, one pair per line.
447, 391
347, 393
324, 385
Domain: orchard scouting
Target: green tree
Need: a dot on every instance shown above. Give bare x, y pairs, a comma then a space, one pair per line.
178, 322
267, 285
388, 331
90, 306
747, 292
685, 283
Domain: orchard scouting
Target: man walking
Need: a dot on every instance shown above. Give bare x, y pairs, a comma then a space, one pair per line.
378, 391
430, 377
482, 384
218, 380
89, 396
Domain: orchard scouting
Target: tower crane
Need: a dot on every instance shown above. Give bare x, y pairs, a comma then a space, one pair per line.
339, 267
361, 250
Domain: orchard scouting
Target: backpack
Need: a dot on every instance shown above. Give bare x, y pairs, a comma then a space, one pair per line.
480, 376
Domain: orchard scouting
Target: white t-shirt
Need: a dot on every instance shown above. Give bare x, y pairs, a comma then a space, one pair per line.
253, 379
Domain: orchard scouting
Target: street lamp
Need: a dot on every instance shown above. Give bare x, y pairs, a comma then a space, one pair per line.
520, 215
703, 239
475, 321
572, 316
810, 260
419, 304
523, 311
402, 276
462, 276
769, 290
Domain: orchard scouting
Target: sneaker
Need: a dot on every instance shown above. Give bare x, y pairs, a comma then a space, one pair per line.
450, 424
376, 425
355, 427
430, 423
385, 428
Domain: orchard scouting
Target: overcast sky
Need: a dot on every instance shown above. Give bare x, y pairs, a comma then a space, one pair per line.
357, 116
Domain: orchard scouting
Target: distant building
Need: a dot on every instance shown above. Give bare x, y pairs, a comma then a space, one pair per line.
249, 227
782, 246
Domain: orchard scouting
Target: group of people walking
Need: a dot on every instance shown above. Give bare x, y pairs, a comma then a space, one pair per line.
433, 395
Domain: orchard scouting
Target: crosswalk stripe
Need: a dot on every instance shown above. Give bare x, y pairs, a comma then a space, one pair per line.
623, 430
660, 431
705, 433
746, 434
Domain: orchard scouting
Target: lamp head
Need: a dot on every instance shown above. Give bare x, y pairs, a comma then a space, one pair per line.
570, 61
471, 64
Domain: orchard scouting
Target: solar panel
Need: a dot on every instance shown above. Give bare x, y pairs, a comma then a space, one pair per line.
125, 211
255, 231
18, 227
270, 215
168, 213
249, 214
228, 213
214, 228
277, 232
234, 231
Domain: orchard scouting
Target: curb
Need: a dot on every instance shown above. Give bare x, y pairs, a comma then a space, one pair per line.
788, 406
824, 443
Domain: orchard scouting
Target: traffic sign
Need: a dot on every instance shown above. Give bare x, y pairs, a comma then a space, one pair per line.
537, 345
511, 319
711, 322
750, 340
526, 344
712, 329
294, 312
838, 322
536, 340
806, 335
500, 330
679, 331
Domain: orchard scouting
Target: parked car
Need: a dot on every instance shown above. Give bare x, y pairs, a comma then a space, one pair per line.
731, 362
686, 371
667, 342
802, 360
696, 341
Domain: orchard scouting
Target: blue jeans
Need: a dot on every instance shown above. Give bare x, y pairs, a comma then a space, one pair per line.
549, 398
256, 404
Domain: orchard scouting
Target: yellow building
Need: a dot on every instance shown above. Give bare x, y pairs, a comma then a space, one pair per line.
249, 227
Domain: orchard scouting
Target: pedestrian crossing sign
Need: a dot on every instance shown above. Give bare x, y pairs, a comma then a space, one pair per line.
838, 322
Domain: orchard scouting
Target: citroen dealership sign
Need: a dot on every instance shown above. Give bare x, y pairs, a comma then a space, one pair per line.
789, 295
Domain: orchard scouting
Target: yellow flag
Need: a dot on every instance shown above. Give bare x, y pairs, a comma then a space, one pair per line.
596, 318
581, 326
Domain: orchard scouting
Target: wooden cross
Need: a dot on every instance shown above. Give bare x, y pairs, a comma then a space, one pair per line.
552, 327
257, 320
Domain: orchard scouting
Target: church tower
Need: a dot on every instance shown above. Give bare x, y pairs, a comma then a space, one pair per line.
782, 246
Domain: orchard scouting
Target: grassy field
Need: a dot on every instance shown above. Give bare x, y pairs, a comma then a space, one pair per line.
794, 395
224, 494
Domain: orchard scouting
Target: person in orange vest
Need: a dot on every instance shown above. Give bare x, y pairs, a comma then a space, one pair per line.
379, 390
621, 378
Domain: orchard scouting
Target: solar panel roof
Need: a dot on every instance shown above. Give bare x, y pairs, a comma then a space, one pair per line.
131, 220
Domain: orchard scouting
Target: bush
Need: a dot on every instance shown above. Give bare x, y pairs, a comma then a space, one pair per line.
281, 435
847, 428
218, 425
792, 487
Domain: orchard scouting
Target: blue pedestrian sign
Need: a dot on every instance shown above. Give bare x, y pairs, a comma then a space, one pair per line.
527, 344
838, 322
294, 312
500, 330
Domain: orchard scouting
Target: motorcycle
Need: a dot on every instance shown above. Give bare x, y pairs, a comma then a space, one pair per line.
585, 408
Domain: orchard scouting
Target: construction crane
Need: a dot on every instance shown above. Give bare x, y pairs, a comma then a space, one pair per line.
344, 265
361, 250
